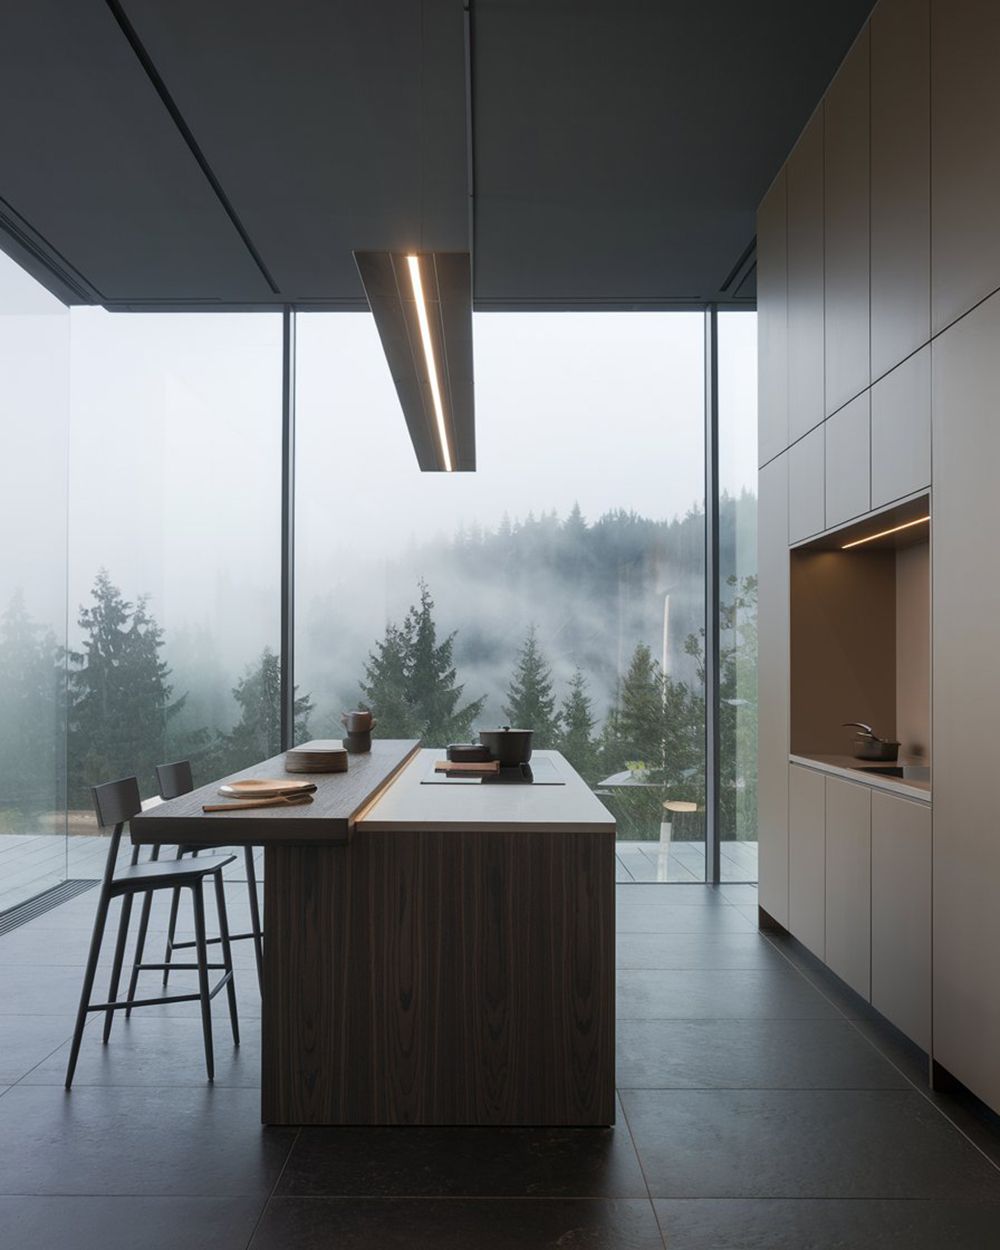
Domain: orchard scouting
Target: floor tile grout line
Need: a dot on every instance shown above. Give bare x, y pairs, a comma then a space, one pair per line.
642, 1169
277, 1182
924, 1092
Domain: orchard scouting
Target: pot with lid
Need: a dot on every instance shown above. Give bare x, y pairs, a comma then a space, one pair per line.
510, 746
869, 746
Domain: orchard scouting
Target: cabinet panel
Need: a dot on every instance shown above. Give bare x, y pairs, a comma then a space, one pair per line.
806, 508
807, 858
848, 883
900, 181
965, 165
901, 430
772, 323
772, 686
966, 695
901, 914
804, 173
848, 461
845, 226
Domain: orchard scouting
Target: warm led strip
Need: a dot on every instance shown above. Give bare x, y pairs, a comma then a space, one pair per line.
425, 337
882, 533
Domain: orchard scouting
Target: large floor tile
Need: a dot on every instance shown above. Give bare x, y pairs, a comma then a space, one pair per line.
695, 950
803, 1144
164, 1141
678, 895
734, 892
26, 1041
679, 918
122, 1223
457, 1224
153, 1050
811, 1224
745, 994
464, 1162
749, 1054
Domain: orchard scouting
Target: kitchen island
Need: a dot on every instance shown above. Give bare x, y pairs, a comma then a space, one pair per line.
444, 955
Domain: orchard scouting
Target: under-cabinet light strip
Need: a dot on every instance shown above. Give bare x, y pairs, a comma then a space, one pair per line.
413, 263
921, 520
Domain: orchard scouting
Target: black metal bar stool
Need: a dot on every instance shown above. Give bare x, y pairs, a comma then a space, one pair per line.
117, 802
175, 780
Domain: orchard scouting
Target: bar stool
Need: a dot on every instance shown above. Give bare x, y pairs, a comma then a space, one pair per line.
175, 780
117, 802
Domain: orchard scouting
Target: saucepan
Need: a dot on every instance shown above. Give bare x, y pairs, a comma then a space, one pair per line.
510, 746
869, 746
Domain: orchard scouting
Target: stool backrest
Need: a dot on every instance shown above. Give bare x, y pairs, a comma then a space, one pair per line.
116, 802
174, 779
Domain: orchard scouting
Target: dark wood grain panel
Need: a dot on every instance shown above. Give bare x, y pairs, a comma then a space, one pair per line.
338, 799
441, 978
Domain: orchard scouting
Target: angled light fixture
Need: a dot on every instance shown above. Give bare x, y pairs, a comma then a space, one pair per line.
870, 538
422, 305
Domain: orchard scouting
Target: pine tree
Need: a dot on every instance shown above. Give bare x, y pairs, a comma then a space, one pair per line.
30, 696
257, 734
119, 693
576, 740
385, 686
531, 703
640, 720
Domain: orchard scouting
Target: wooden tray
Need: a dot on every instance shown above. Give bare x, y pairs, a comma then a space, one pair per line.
260, 788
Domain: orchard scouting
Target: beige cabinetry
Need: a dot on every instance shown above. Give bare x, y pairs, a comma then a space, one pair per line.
772, 323
966, 698
847, 468
804, 177
901, 430
901, 914
772, 697
848, 883
846, 228
806, 508
965, 156
900, 181
807, 858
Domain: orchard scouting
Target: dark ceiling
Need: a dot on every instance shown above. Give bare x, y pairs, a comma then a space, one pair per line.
219, 153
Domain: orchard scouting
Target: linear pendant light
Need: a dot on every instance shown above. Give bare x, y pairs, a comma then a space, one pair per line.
422, 306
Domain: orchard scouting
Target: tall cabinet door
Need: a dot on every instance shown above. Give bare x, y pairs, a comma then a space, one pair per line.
772, 323
849, 883
807, 858
772, 686
804, 173
845, 224
900, 181
965, 383
965, 168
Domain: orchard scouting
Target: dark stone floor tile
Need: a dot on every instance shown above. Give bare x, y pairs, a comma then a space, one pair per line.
45, 947
121, 1223
26, 1040
678, 895
677, 918
819, 976
164, 1141
464, 1162
739, 893
749, 1054
803, 1144
153, 1050
745, 994
457, 1224
833, 1224
695, 950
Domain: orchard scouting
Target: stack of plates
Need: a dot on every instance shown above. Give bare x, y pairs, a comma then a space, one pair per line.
261, 788
321, 756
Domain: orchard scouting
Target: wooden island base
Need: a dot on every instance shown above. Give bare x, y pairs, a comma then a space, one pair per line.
441, 977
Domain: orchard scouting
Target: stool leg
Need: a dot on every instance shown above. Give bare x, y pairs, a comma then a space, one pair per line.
140, 945
171, 929
96, 939
227, 954
258, 948
198, 902
116, 967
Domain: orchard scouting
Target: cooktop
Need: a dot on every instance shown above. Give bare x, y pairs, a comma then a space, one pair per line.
540, 772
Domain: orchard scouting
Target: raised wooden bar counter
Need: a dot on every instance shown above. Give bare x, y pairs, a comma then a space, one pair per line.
449, 961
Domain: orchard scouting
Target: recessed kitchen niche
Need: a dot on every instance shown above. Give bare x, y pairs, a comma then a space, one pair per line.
860, 633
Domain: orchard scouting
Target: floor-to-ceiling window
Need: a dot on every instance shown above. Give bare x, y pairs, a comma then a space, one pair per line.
174, 550
563, 581
34, 398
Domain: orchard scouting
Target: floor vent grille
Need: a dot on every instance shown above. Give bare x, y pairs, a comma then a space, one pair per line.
14, 917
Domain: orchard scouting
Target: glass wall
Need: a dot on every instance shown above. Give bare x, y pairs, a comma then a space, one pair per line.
34, 406
174, 551
738, 594
559, 587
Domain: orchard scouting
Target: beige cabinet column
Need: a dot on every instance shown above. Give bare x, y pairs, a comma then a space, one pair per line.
807, 858
848, 883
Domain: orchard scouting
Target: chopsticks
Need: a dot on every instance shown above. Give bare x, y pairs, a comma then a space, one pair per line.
281, 800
